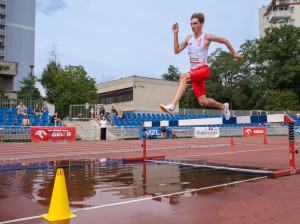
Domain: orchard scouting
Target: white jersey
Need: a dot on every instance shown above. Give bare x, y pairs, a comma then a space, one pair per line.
197, 52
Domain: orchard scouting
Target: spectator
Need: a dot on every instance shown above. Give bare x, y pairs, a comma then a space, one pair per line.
120, 115
92, 112
298, 115
56, 119
45, 108
112, 115
101, 111
22, 109
287, 111
163, 132
26, 121
103, 124
37, 110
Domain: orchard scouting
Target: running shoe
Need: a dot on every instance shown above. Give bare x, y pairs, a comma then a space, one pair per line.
168, 109
226, 111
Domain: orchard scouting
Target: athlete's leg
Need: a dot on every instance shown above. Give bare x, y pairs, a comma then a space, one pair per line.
208, 102
184, 79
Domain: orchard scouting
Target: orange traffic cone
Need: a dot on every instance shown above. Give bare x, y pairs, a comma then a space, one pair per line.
265, 140
59, 205
231, 142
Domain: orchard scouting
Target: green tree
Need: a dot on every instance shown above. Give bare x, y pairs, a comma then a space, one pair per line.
280, 100
173, 74
29, 91
225, 83
73, 86
279, 53
2, 90
47, 80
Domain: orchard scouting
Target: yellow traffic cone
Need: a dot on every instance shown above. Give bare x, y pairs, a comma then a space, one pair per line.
59, 205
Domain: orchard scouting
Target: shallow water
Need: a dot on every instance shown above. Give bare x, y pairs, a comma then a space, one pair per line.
94, 182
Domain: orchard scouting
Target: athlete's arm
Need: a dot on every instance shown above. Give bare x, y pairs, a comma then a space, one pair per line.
222, 40
178, 47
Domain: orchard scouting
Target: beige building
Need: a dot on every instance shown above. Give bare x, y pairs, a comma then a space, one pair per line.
137, 94
277, 13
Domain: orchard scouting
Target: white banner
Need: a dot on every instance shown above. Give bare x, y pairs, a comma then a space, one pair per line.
206, 132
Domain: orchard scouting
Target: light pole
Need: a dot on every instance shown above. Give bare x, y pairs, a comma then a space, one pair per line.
31, 82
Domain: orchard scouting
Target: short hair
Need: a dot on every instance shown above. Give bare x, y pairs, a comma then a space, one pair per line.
199, 16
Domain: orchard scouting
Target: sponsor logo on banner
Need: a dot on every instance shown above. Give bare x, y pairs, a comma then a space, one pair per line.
297, 130
45, 134
206, 132
254, 131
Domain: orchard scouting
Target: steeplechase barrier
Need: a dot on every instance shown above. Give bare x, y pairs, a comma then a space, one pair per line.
274, 118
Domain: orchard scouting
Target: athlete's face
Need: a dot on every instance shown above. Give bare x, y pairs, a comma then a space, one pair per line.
196, 26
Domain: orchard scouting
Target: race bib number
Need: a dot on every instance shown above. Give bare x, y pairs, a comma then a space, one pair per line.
194, 58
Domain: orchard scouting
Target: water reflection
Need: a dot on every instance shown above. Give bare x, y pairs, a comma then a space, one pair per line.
90, 182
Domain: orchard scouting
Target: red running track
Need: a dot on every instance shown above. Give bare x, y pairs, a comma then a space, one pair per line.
268, 201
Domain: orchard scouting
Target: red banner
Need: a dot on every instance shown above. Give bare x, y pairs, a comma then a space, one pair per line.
48, 134
254, 131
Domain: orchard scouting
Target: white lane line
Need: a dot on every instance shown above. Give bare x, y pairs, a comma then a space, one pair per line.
143, 199
224, 153
220, 167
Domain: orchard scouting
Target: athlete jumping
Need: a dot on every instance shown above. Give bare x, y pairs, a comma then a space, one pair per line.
198, 45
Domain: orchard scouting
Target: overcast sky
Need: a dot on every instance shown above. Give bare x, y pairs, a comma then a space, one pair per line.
120, 38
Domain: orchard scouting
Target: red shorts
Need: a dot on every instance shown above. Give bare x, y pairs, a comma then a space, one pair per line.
198, 76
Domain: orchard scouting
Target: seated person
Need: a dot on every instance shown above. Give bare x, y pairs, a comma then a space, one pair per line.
120, 115
112, 115
56, 119
101, 111
22, 109
37, 110
45, 108
26, 121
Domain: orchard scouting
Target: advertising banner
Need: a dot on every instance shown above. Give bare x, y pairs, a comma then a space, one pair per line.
206, 132
297, 130
254, 131
46, 134
151, 133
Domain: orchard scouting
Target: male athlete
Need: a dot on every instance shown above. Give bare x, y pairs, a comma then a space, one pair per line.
198, 45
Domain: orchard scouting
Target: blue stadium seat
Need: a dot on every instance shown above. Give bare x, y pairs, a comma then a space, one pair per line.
16, 124
43, 124
2, 121
11, 119
45, 113
14, 109
2, 112
34, 124
30, 110
5, 109
9, 123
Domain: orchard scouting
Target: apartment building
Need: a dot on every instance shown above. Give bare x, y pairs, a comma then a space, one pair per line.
277, 13
17, 38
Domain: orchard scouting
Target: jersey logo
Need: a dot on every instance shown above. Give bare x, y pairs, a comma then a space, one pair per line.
199, 42
190, 43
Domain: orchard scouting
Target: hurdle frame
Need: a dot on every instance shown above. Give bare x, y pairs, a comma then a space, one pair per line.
273, 118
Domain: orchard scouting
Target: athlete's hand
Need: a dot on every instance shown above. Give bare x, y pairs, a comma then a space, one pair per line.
238, 57
175, 28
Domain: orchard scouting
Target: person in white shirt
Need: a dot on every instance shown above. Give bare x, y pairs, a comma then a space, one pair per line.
103, 124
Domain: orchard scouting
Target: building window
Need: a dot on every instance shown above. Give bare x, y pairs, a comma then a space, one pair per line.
282, 22
292, 21
292, 10
267, 19
117, 96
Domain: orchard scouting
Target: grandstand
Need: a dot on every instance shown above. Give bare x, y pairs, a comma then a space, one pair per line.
137, 119
11, 128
